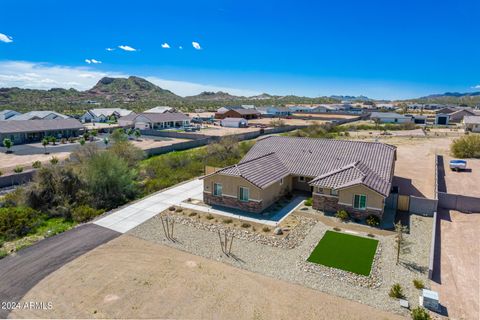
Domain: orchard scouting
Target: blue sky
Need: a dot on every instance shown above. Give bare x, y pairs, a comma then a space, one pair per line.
382, 49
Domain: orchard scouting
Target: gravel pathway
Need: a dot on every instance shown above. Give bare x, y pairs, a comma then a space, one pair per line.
289, 264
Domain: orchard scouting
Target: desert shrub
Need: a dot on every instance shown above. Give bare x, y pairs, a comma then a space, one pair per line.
245, 225
54, 160
36, 164
371, 235
418, 284
227, 221
396, 291
342, 215
172, 208
179, 210
18, 169
84, 213
337, 229
373, 220
419, 313
192, 214
308, 202
266, 229
18, 221
466, 147
1, 173
3, 254
209, 216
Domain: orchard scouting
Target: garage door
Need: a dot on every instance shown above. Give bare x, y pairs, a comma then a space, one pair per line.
403, 203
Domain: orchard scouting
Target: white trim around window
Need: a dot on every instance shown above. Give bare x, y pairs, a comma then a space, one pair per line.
217, 189
243, 194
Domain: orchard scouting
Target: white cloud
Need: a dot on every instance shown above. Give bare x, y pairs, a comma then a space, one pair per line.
127, 48
45, 76
196, 45
110, 49
89, 61
165, 46
476, 87
180, 47
5, 38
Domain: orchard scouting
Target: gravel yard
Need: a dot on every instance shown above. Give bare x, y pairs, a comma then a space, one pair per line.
289, 264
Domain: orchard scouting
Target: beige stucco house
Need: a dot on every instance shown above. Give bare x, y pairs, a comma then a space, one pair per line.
355, 176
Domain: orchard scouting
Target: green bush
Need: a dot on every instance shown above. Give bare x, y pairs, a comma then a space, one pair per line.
396, 291
466, 147
3, 254
192, 214
54, 160
245, 225
17, 222
419, 313
308, 202
418, 284
18, 169
85, 213
266, 229
36, 164
372, 220
342, 215
209, 216
1, 173
227, 221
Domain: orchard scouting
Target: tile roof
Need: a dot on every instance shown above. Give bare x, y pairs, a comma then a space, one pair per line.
39, 115
109, 111
164, 117
246, 111
371, 162
385, 115
254, 170
25, 126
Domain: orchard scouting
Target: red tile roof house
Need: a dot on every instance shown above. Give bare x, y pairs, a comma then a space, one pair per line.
355, 176
238, 113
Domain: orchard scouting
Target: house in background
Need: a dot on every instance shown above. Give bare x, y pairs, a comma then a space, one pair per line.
234, 123
442, 119
228, 108
159, 121
104, 114
301, 108
7, 114
39, 115
160, 109
471, 123
278, 111
237, 113
458, 115
355, 176
28, 131
127, 121
390, 117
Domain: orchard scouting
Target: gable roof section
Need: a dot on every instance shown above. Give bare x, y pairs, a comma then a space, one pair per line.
163, 117
246, 111
261, 171
471, 119
316, 158
32, 115
20, 126
109, 111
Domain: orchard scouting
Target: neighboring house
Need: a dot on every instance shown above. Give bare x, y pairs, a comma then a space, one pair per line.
127, 121
227, 108
27, 131
7, 114
238, 113
471, 123
39, 115
278, 111
442, 119
390, 117
446, 110
158, 121
234, 123
301, 109
104, 114
458, 115
161, 109
355, 176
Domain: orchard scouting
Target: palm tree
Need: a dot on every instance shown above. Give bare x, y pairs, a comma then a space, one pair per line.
7, 143
45, 143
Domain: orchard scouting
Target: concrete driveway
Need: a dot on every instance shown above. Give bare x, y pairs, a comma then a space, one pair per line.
138, 212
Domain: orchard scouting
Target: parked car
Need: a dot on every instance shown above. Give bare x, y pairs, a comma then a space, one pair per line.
458, 165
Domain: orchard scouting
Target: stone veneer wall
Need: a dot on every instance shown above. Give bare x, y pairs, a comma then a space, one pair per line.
331, 204
250, 206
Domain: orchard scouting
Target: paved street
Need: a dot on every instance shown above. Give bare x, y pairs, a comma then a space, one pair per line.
20, 273
136, 213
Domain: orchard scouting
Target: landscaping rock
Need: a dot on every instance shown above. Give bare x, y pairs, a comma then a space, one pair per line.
278, 231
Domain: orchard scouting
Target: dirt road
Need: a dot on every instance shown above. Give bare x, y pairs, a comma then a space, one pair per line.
20, 273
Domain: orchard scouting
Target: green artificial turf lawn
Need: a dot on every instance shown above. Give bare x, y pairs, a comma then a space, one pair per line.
346, 252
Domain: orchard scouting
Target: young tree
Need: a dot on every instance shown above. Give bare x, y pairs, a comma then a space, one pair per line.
106, 141
53, 140
138, 134
82, 141
7, 143
45, 143
118, 135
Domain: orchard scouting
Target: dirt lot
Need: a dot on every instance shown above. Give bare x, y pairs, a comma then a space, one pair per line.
133, 278
415, 165
457, 271
324, 116
24, 155
212, 130
288, 122
463, 182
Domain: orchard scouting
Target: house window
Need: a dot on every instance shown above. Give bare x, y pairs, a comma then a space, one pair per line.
244, 194
281, 181
301, 179
360, 201
334, 192
217, 189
